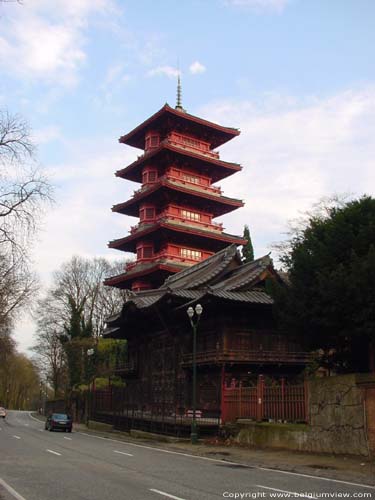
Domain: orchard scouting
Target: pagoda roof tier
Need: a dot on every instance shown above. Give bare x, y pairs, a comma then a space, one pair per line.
168, 119
155, 272
222, 278
162, 156
167, 191
164, 230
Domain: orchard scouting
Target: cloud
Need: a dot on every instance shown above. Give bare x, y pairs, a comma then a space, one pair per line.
168, 71
293, 153
45, 40
196, 67
46, 134
260, 5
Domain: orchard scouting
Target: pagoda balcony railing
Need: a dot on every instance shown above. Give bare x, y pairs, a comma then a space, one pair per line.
164, 257
198, 186
176, 219
194, 185
211, 226
245, 356
195, 146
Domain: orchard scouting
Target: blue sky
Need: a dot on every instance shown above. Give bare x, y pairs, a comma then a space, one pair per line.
296, 76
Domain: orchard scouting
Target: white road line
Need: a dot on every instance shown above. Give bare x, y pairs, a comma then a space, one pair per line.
1, 428
293, 493
166, 494
26, 425
123, 453
17, 437
317, 477
69, 439
37, 419
41, 430
11, 490
223, 462
54, 452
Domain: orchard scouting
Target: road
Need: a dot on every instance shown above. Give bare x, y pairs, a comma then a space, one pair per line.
39, 465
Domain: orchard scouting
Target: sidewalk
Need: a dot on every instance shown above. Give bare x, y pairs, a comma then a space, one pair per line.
345, 468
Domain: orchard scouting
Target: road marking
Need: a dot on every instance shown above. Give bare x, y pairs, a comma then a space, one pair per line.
11, 490
26, 425
41, 430
316, 477
166, 494
223, 462
69, 439
17, 437
294, 493
36, 419
123, 453
54, 452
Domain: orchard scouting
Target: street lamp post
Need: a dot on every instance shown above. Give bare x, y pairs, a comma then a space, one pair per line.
90, 352
194, 325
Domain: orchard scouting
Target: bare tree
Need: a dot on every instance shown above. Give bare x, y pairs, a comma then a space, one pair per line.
82, 280
79, 282
24, 192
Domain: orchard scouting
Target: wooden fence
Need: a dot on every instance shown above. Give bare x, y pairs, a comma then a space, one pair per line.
280, 402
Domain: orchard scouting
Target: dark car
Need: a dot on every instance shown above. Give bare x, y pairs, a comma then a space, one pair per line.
59, 421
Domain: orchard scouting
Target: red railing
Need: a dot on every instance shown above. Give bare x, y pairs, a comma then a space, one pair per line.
163, 256
192, 144
195, 185
281, 402
167, 217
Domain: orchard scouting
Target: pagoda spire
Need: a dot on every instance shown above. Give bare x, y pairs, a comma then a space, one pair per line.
179, 94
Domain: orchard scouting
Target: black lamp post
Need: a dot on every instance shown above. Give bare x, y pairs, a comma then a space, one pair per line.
194, 325
90, 352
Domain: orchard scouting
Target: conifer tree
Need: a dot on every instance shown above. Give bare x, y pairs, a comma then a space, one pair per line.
247, 250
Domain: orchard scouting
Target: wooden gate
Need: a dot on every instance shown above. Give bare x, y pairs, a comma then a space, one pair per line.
278, 402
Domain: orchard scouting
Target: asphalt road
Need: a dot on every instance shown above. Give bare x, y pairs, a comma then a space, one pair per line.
39, 465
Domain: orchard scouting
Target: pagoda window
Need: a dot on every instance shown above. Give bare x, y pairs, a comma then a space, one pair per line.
188, 253
152, 140
191, 178
147, 213
189, 142
149, 176
194, 216
145, 251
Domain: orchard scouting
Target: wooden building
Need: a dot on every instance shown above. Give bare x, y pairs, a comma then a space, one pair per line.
237, 340
178, 200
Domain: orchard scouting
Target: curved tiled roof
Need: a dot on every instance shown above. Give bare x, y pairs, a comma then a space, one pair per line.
204, 272
222, 276
220, 134
246, 275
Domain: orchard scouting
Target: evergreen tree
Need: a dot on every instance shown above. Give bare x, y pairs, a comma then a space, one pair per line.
247, 250
330, 301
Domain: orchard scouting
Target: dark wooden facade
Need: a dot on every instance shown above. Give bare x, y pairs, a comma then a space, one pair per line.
236, 342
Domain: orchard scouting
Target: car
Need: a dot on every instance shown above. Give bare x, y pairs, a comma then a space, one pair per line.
3, 412
60, 421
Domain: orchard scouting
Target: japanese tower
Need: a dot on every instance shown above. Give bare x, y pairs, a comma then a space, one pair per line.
177, 201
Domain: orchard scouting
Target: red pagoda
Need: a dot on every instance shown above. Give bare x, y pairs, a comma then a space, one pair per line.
177, 201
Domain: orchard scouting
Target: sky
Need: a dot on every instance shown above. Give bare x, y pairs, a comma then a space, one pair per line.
297, 77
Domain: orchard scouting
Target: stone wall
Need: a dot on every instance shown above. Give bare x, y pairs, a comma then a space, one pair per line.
338, 407
337, 416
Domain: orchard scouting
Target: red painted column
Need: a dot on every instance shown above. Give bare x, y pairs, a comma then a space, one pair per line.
260, 397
